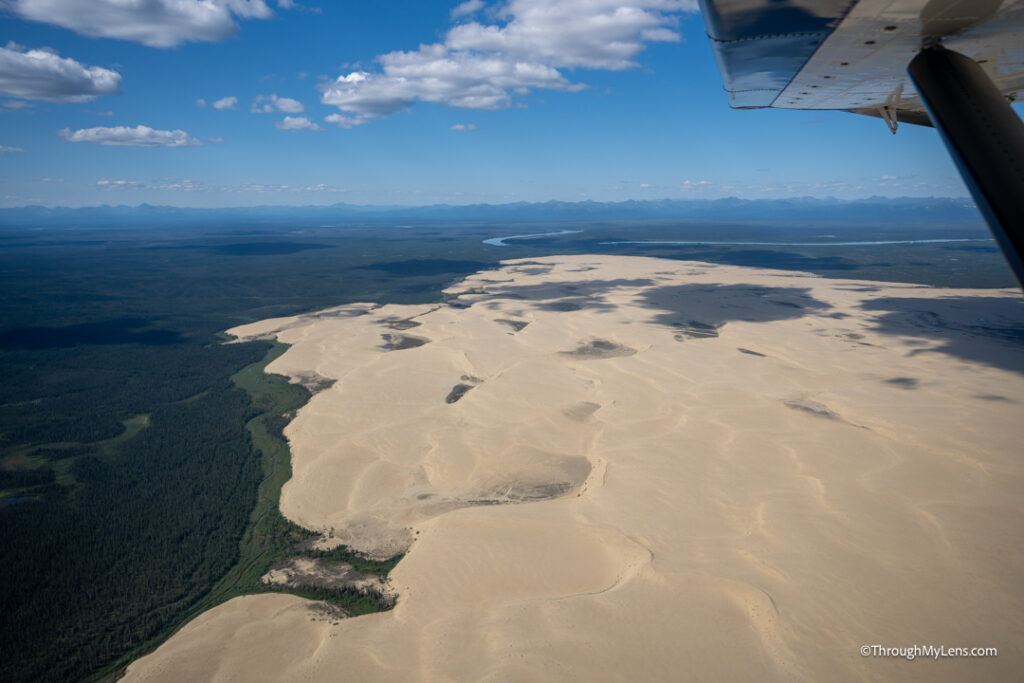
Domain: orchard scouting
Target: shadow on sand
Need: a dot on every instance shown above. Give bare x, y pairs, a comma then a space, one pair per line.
987, 330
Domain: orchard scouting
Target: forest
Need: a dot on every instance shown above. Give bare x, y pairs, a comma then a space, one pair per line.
130, 466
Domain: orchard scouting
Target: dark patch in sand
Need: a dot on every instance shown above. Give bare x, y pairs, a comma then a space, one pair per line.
540, 269
400, 324
751, 353
457, 392
981, 329
812, 407
599, 348
326, 611
527, 494
344, 313
904, 382
994, 397
400, 342
581, 412
314, 383
516, 325
561, 306
864, 288
694, 329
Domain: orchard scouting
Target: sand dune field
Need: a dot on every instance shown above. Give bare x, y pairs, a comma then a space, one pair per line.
634, 469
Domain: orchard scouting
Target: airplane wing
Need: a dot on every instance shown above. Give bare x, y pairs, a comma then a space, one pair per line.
852, 55
954, 64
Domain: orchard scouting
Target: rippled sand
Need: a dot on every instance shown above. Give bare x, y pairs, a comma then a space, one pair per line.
616, 468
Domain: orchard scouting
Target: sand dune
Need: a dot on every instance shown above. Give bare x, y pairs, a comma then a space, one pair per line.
656, 470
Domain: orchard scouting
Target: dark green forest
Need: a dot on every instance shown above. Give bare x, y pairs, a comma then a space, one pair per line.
141, 457
130, 462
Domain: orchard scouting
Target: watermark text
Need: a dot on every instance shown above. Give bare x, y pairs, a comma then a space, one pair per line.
913, 652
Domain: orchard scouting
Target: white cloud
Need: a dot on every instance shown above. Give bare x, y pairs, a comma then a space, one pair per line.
108, 184
321, 187
181, 186
463, 126
466, 8
291, 4
345, 121
44, 75
266, 104
156, 23
434, 74
225, 103
482, 66
597, 34
13, 105
139, 136
690, 185
201, 103
296, 123
10, 150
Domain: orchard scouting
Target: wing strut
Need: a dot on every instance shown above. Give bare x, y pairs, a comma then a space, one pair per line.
984, 136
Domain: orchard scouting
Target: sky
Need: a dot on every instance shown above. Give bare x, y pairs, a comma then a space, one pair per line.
211, 103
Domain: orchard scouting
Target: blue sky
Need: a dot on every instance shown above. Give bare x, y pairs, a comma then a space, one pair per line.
239, 102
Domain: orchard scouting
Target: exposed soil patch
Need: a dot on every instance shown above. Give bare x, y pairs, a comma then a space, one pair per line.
304, 572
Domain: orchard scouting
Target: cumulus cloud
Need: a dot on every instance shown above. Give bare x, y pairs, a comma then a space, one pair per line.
201, 103
156, 23
467, 8
345, 121
225, 103
44, 75
296, 123
481, 66
10, 150
463, 126
435, 74
596, 34
139, 136
266, 104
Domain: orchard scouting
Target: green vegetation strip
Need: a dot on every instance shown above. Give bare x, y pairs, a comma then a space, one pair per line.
269, 536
